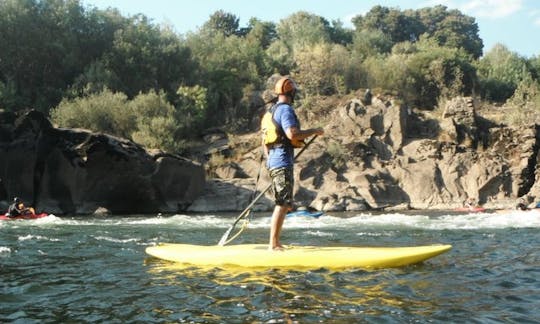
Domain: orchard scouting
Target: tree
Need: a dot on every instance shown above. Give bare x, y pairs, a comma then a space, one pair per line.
191, 108
149, 119
534, 67
227, 64
398, 26
260, 33
303, 29
339, 34
30, 54
156, 124
45, 45
144, 57
222, 22
321, 69
500, 71
451, 28
106, 112
439, 71
370, 43
423, 74
297, 32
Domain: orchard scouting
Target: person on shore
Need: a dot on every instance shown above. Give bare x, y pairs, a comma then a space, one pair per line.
281, 134
17, 208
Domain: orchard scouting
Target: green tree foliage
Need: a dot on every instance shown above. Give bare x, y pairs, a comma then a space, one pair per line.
296, 32
156, 123
339, 34
367, 42
144, 57
440, 72
106, 112
449, 28
260, 33
500, 71
321, 69
149, 119
422, 73
303, 29
48, 47
222, 22
398, 26
8, 95
227, 64
523, 108
192, 105
44, 45
534, 66
129, 77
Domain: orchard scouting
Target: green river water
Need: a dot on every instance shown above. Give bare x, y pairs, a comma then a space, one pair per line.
95, 270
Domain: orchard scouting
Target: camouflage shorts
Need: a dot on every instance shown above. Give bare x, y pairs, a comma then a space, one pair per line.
282, 184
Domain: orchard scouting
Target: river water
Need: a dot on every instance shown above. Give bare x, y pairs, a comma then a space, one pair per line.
95, 270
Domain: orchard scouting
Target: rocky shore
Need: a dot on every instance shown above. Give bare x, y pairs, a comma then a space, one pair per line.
382, 155
377, 155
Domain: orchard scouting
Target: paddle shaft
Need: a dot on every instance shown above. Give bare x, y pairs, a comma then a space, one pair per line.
248, 208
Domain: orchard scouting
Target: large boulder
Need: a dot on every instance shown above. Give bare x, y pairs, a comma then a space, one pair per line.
78, 171
459, 121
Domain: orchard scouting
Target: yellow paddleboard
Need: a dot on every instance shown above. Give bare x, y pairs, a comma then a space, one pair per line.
258, 255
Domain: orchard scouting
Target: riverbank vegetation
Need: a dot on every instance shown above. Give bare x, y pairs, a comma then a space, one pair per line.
130, 77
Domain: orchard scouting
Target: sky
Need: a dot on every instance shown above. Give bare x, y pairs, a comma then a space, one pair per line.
513, 23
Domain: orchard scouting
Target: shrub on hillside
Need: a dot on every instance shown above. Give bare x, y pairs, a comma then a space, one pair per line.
105, 112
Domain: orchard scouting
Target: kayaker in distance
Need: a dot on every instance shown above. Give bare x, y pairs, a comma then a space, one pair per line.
281, 134
470, 203
17, 208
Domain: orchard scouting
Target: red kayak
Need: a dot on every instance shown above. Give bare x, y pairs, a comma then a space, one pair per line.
31, 216
471, 210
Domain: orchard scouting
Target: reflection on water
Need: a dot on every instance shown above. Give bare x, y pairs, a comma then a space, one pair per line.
264, 295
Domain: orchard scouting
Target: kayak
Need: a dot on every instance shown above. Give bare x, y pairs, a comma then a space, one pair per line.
305, 213
31, 216
471, 210
295, 257
517, 212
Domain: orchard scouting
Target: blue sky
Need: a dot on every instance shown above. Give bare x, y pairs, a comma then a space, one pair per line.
514, 23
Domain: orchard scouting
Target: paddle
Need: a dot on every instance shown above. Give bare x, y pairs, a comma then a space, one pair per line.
225, 238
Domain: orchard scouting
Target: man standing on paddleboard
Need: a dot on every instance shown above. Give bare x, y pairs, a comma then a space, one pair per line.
281, 135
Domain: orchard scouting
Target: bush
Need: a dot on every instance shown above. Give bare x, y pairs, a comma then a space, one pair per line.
321, 69
156, 124
422, 73
524, 106
149, 119
500, 71
105, 112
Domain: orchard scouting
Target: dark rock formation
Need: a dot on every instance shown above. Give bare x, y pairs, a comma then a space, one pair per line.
78, 172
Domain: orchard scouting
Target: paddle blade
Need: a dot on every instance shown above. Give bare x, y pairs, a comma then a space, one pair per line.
225, 237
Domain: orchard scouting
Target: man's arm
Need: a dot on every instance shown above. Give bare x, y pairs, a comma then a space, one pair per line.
295, 134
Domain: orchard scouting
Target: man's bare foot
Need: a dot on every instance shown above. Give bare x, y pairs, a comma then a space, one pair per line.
276, 248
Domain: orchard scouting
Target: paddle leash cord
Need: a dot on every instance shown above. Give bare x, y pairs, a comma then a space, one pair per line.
247, 212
